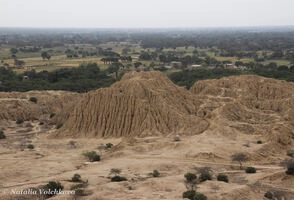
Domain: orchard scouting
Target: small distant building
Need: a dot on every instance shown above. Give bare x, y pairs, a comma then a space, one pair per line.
25, 78
176, 64
230, 66
142, 69
168, 67
193, 67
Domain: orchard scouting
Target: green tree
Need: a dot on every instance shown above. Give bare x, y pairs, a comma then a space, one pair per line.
13, 50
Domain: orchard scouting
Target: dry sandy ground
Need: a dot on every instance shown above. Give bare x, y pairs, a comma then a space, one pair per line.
59, 160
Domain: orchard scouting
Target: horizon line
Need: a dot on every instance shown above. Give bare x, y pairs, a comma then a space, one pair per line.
176, 27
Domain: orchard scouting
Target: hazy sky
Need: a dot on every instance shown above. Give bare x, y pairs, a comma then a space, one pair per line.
147, 13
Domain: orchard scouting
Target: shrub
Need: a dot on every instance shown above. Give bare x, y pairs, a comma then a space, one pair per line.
191, 180
250, 170
59, 125
72, 143
52, 188
290, 153
155, 173
290, 167
30, 146
240, 157
19, 121
269, 195
199, 196
2, 135
177, 138
76, 178
223, 177
190, 194
33, 99
190, 177
204, 176
80, 192
109, 145
115, 171
118, 179
41, 123
259, 142
92, 156
52, 115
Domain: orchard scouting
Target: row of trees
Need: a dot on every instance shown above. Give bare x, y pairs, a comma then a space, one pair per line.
81, 79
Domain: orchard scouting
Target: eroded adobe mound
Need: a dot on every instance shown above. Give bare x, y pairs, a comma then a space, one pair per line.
17, 105
144, 103
252, 104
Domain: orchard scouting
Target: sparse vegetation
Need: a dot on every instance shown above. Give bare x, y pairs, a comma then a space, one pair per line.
250, 170
290, 167
30, 146
59, 125
155, 173
92, 156
118, 179
52, 115
33, 99
177, 138
240, 157
191, 180
76, 178
204, 174
190, 194
199, 196
72, 143
52, 188
269, 195
19, 121
223, 177
115, 171
2, 135
290, 153
109, 145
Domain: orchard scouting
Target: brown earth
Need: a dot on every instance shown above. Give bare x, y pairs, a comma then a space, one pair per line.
140, 115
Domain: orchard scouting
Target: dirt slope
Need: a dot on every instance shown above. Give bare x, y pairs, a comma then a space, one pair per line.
140, 104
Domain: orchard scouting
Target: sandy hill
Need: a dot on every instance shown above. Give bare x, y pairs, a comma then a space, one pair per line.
144, 103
